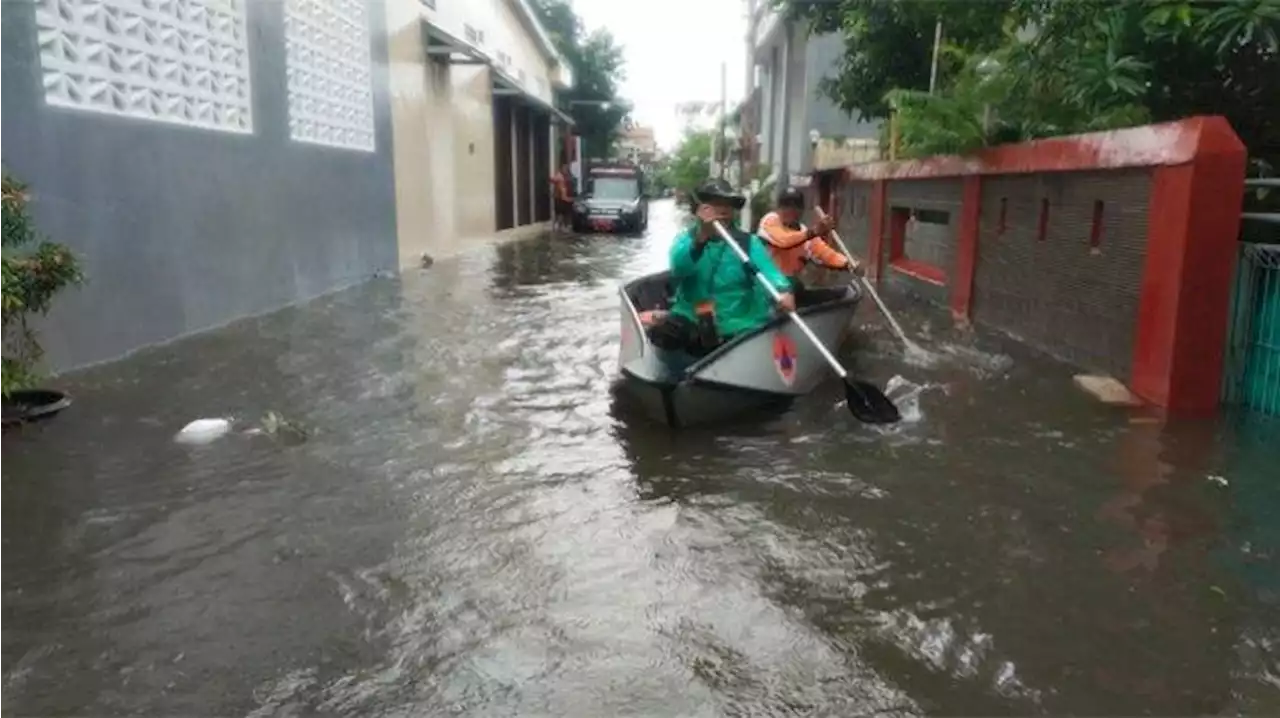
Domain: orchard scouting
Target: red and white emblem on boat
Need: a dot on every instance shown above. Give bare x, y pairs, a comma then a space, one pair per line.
784, 357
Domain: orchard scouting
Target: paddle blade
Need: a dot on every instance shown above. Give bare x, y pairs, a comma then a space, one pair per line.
869, 405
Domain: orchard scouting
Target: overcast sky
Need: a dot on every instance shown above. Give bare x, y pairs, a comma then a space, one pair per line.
674, 49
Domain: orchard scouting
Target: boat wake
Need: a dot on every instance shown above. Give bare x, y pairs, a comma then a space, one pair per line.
951, 354
984, 364
918, 356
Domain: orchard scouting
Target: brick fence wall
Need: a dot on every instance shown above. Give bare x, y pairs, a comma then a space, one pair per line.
1114, 251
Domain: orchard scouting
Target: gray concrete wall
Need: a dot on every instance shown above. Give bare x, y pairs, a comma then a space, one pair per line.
822, 57
182, 228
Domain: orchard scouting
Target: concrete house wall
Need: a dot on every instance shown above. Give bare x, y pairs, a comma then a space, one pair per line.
200, 158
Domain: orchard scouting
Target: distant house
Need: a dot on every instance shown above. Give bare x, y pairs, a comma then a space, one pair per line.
637, 144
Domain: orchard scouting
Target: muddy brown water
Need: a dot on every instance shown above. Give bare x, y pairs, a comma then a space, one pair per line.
479, 526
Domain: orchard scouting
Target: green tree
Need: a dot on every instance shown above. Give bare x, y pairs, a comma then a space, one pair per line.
1062, 66
888, 44
690, 164
598, 68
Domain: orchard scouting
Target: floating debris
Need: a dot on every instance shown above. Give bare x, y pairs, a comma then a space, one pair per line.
1108, 390
288, 432
203, 431
273, 425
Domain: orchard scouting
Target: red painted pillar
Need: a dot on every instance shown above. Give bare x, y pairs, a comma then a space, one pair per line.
875, 243
1192, 240
966, 248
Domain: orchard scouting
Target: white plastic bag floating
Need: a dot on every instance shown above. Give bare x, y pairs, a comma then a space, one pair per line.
203, 431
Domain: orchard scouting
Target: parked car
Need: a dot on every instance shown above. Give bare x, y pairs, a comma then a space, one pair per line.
614, 200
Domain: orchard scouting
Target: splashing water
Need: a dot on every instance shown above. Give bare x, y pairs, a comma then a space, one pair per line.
906, 395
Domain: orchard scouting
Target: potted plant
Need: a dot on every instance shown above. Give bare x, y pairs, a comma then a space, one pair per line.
34, 271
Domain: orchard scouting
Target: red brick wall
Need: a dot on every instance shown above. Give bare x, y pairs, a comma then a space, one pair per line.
1112, 250
1073, 292
855, 216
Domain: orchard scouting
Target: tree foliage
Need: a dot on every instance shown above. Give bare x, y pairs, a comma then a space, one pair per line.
1060, 66
598, 68
34, 271
889, 43
690, 164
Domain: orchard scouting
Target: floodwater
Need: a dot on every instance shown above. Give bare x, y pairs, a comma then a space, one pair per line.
477, 526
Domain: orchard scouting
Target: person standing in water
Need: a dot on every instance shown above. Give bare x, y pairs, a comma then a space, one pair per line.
563, 216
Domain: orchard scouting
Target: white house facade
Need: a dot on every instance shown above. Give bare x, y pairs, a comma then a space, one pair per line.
472, 85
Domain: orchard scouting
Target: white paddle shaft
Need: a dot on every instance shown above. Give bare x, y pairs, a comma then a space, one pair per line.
867, 283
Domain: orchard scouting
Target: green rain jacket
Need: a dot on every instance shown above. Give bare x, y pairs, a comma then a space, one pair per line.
714, 273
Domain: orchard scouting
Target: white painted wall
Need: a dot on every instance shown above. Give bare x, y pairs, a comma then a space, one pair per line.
777, 55
767, 25
797, 102
442, 120
767, 89
506, 40
784, 89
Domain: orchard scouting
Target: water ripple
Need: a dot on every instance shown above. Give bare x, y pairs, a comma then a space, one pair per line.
479, 526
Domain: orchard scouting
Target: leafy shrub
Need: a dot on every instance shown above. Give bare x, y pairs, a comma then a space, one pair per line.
34, 271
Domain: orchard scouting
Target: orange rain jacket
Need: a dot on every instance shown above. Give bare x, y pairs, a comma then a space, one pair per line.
561, 185
790, 248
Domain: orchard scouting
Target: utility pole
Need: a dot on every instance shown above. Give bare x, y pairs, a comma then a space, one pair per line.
724, 116
784, 97
937, 46
747, 126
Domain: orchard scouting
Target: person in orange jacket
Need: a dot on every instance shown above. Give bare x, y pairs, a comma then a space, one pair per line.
562, 216
792, 244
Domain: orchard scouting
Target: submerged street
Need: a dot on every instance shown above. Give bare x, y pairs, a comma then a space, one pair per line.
478, 526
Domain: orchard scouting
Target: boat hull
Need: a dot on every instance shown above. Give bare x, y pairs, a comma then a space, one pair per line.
764, 370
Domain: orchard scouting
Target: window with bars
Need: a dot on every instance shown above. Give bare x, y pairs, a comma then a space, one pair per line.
473, 35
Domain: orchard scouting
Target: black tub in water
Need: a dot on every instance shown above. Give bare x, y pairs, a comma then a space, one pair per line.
33, 404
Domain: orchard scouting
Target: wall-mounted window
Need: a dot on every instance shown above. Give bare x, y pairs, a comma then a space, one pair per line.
504, 59
932, 216
124, 58
473, 35
329, 73
901, 236
1095, 230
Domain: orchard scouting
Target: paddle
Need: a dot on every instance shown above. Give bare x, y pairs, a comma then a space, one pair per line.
911, 346
866, 402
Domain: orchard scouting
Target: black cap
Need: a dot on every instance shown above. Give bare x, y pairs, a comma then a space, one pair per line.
718, 189
791, 197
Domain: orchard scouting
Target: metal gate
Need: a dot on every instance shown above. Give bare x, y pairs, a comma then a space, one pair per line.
1252, 376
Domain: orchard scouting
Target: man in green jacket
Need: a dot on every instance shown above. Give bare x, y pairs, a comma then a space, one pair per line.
715, 297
